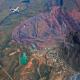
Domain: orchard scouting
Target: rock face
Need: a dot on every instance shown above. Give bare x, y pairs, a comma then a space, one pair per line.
45, 27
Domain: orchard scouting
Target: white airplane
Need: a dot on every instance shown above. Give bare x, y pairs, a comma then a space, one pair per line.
15, 10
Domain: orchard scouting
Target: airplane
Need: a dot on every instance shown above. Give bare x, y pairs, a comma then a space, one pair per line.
14, 9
